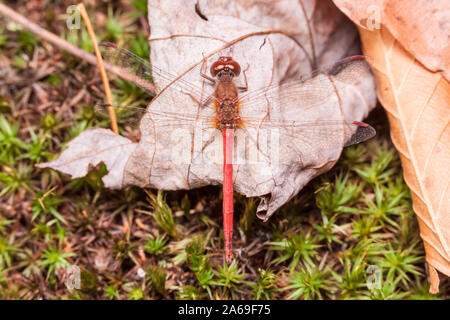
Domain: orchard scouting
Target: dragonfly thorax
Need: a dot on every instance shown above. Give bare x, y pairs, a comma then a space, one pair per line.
228, 115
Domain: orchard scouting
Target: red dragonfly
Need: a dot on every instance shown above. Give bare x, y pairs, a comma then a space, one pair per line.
229, 110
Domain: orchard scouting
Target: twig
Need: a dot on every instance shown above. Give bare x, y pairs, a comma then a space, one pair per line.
47, 36
64, 45
112, 113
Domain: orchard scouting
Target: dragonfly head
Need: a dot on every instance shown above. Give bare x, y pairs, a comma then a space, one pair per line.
225, 66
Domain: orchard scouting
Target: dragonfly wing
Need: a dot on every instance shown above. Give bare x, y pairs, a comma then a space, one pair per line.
182, 102
125, 115
360, 132
305, 144
146, 76
303, 122
177, 137
309, 92
132, 116
176, 152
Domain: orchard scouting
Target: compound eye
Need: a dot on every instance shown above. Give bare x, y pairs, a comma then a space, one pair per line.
216, 68
225, 63
234, 67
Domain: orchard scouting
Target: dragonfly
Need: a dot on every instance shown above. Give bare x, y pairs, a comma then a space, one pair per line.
232, 108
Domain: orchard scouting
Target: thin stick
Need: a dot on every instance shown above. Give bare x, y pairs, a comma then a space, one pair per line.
112, 113
66, 46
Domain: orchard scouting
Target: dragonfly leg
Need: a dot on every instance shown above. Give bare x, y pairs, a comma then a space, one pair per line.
207, 101
203, 103
203, 74
193, 98
245, 87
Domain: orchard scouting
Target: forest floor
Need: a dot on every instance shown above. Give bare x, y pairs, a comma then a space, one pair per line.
350, 234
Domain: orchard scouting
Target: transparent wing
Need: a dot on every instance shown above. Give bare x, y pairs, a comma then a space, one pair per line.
132, 116
281, 123
305, 143
308, 92
349, 132
336, 132
140, 72
288, 122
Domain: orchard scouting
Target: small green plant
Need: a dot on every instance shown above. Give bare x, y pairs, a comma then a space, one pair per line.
355, 155
421, 291
140, 5
3, 37
385, 205
49, 123
93, 180
199, 263
54, 79
44, 230
265, 284
296, 247
162, 214
362, 249
310, 282
365, 227
55, 258
205, 277
123, 248
229, 276
11, 146
400, 264
190, 293
388, 291
36, 149
130, 95
157, 279
6, 250
14, 180
78, 128
111, 292
79, 38
336, 198
114, 26
136, 294
3, 223
47, 204
379, 171
352, 279
156, 246
27, 40
328, 230
139, 46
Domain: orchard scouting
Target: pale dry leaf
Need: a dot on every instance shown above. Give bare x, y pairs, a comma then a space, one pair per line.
421, 26
272, 41
417, 101
91, 148
411, 40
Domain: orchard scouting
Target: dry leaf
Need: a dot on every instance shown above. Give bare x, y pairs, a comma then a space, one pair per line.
417, 101
272, 41
421, 26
